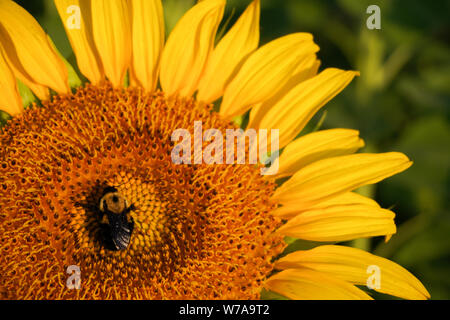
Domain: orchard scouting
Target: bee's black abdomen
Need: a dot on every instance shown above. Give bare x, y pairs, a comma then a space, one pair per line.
120, 230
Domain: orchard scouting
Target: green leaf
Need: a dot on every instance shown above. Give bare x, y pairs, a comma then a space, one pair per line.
270, 295
26, 94
4, 117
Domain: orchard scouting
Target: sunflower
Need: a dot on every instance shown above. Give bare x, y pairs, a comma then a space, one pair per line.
201, 231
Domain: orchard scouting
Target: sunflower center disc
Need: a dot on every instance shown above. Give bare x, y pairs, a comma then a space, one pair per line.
201, 231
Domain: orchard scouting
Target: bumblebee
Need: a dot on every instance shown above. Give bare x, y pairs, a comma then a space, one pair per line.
116, 215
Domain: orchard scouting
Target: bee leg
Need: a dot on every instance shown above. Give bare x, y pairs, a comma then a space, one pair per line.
128, 216
130, 208
104, 219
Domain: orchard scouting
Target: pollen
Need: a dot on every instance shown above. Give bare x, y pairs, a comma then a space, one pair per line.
200, 231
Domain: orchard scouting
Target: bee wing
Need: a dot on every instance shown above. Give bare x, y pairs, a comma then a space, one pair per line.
122, 240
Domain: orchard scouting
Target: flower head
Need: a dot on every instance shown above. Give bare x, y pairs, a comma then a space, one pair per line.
199, 231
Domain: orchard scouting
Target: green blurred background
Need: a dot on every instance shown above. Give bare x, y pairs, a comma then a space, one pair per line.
399, 103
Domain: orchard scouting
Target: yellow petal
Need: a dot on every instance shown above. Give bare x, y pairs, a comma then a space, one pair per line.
305, 284
148, 42
240, 41
112, 36
189, 46
305, 70
316, 146
346, 199
77, 20
330, 177
340, 223
292, 209
351, 264
265, 72
293, 111
10, 101
42, 92
28, 50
